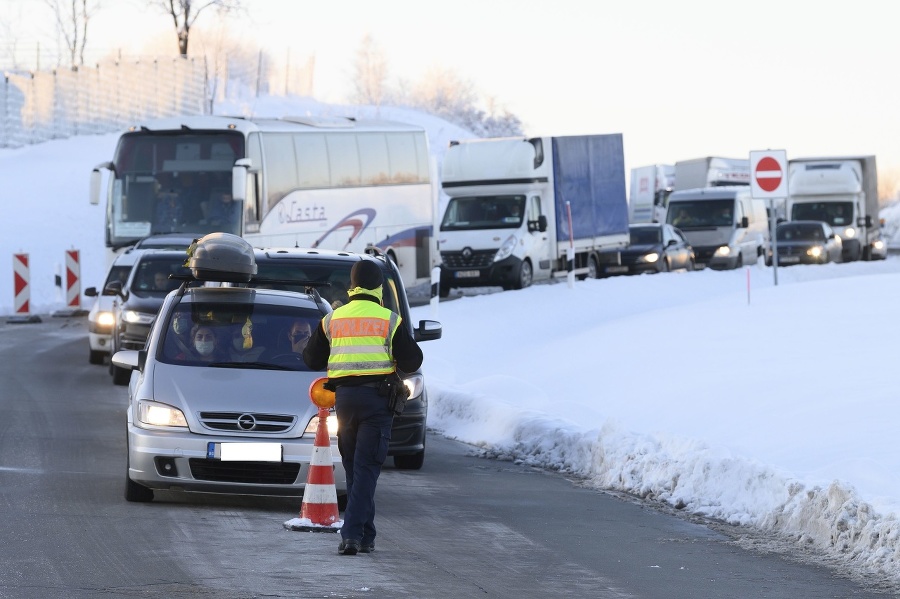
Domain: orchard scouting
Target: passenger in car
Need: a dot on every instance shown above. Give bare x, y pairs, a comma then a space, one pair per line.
178, 341
203, 345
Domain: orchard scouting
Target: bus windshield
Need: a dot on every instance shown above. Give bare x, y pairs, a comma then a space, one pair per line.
173, 183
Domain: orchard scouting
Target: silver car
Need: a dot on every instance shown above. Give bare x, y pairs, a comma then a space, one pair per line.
218, 401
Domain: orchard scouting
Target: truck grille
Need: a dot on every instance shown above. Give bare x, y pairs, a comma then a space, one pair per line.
475, 259
255, 473
247, 422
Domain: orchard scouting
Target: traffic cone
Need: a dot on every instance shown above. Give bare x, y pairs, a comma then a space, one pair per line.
319, 510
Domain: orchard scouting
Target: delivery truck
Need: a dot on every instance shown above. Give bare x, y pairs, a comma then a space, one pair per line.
525, 210
843, 192
711, 171
649, 190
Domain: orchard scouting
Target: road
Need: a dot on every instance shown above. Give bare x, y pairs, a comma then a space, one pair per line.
463, 526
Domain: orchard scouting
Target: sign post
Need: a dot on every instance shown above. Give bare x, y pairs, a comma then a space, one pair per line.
768, 181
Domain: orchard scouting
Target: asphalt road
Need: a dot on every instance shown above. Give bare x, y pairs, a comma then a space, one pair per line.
464, 526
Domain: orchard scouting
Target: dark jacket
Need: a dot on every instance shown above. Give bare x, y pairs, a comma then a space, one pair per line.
406, 352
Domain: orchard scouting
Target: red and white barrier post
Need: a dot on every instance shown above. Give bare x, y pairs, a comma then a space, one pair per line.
21, 279
73, 279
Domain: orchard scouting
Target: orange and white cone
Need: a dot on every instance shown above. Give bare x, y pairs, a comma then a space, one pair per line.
319, 510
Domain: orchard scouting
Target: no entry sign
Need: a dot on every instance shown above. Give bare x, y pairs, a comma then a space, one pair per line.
768, 177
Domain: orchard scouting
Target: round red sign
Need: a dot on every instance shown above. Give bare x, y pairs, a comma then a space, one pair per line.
768, 174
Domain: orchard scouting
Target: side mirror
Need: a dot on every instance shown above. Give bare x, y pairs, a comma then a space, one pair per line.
672, 242
542, 223
114, 288
127, 359
745, 222
91, 292
428, 330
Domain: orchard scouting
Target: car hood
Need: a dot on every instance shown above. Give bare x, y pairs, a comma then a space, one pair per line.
149, 305
197, 389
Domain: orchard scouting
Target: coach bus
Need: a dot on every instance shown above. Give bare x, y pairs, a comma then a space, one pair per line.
329, 183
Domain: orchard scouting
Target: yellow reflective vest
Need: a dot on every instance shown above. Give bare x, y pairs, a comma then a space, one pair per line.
360, 335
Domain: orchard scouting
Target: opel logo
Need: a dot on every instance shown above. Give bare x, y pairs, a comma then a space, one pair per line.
467, 253
246, 422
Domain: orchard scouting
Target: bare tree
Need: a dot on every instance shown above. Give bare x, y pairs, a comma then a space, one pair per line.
72, 17
184, 14
370, 71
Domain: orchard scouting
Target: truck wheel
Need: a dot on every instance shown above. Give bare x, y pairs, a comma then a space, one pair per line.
443, 290
593, 268
525, 276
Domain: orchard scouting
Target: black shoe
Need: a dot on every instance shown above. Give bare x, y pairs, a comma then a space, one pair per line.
348, 547
367, 547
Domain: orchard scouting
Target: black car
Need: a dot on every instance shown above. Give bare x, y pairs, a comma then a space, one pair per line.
137, 302
653, 247
328, 272
807, 242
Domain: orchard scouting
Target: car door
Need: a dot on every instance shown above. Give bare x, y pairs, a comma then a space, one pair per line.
676, 247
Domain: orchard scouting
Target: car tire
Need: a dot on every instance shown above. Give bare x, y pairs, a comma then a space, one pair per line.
134, 492
524, 276
120, 376
410, 462
96, 357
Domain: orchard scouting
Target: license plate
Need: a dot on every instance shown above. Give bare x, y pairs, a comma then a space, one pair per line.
789, 259
615, 269
699, 266
468, 274
245, 452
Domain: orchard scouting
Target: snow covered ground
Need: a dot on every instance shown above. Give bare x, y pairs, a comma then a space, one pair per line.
717, 393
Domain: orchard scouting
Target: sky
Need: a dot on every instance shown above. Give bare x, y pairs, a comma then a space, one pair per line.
680, 80
767, 406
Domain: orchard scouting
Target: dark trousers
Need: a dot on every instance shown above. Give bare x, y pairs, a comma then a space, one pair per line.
364, 432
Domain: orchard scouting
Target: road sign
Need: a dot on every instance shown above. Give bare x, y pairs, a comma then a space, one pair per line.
768, 174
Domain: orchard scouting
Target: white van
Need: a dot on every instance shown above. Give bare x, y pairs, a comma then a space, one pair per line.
725, 225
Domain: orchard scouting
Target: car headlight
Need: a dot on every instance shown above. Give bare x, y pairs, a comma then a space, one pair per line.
331, 423
158, 414
651, 257
815, 251
849, 232
723, 251
878, 245
416, 385
506, 249
137, 317
105, 319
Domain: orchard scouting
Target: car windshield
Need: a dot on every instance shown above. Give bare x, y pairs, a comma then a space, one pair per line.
799, 233
237, 335
701, 213
151, 276
484, 212
332, 278
645, 235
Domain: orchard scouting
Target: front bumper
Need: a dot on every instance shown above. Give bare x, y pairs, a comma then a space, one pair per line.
408, 430
478, 273
179, 461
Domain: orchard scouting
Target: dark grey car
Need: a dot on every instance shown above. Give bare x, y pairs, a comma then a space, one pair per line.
653, 247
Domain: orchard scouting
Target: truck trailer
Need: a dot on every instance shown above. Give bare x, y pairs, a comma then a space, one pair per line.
843, 192
711, 171
650, 188
525, 210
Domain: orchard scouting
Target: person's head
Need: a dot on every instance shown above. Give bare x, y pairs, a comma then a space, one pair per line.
181, 324
226, 198
160, 279
299, 334
203, 339
366, 278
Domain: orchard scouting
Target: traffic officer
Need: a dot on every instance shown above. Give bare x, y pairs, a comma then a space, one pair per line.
361, 343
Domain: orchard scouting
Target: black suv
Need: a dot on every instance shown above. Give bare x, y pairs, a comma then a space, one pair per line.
137, 302
329, 273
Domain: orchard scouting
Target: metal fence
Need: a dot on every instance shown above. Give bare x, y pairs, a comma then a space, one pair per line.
55, 104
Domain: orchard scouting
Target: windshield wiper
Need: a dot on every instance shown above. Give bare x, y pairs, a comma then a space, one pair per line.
252, 365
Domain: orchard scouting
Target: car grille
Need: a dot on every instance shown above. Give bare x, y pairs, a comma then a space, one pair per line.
704, 254
478, 259
791, 251
255, 473
247, 422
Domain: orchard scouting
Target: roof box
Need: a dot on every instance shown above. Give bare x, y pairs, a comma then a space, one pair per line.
222, 257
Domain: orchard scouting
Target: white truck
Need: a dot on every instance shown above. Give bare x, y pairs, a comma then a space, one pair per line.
843, 192
711, 171
649, 190
525, 210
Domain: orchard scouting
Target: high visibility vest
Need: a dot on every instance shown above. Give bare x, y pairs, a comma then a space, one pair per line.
360, 335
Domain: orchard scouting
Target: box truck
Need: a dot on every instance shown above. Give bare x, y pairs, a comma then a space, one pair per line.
711, 171
843, 192
650, 188
525, 210
725, 225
